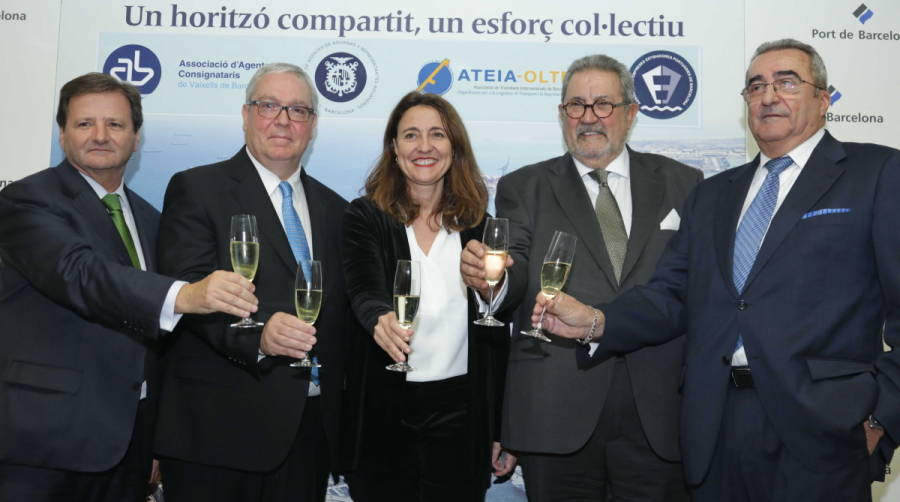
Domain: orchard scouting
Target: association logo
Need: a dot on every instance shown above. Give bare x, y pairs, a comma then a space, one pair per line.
665, 84
863, 13
341, 77
835, 94
136, 65
435, 77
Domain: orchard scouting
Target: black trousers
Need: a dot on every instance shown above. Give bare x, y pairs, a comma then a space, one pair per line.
302, 477
431, 460
616, 464
751, 464
126, 482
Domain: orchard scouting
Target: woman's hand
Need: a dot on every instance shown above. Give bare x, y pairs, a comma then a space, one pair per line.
392, 338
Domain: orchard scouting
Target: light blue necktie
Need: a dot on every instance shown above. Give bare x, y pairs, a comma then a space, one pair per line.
753, 226
293, 227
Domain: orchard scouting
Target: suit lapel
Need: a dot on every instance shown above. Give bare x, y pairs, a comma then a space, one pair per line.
89, 206
252, 197
318, 217
817, 176
646, 201
568, 188
145, 229
728, 210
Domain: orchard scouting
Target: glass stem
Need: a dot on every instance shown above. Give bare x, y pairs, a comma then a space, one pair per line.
490, 302
540, 324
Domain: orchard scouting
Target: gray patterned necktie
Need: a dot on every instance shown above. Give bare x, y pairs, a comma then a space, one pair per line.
611, 224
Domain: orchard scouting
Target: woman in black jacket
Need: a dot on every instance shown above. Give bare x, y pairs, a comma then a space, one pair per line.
430, 434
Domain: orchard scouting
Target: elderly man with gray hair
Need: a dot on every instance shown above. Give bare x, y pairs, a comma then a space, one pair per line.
610, 433
237, 421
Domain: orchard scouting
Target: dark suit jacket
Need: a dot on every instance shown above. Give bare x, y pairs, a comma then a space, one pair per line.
78, 321
543, 383
218, 405
822, 289
373, 242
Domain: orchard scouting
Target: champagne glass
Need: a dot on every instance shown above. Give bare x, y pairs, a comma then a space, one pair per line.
308, 301
406, 301
244, 249
496, 238
554, 272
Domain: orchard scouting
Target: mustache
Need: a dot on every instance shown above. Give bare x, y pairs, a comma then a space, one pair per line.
773, 110
585, 128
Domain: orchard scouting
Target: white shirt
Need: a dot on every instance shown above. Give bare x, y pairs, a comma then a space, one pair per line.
440, 342
167, 316
800, 155
270, 182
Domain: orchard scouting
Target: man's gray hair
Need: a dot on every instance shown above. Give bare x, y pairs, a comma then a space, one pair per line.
816, 65
603, 63
282, 68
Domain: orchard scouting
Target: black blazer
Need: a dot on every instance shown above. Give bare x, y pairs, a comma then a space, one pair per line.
824, 289
544, 383
373, 242
78, 323
218, 405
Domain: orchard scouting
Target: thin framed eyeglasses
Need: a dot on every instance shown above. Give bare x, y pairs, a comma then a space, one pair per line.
786, 85
601, 109
270, 110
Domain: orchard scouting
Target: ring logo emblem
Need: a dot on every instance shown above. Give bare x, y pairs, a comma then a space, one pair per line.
341, 77
665, 84
435, 77
136, 65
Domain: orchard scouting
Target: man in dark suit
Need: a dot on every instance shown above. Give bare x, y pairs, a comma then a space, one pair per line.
623, 207
236, 421
786, 277
83, 310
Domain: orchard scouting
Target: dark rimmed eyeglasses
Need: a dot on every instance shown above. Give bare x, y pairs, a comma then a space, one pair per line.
270, 110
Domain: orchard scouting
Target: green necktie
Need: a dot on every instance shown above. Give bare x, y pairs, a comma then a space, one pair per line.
611, 224
114, 206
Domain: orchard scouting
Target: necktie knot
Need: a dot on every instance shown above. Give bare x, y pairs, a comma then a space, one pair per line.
775, 166
600, 175
287, 191
112, 202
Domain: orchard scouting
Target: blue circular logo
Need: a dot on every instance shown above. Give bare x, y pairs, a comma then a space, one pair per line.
136, 65
340, 77
435, 78
664, 84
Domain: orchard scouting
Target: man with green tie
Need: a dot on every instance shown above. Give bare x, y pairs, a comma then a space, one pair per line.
83, 310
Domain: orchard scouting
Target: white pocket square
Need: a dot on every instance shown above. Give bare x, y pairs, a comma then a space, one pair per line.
671, 221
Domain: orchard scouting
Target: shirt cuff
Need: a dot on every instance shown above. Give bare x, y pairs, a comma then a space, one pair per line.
499, 295
167, 317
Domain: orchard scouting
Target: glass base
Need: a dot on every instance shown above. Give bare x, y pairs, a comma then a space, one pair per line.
399, 367
247, 323
490, 321
306, 362
536, 333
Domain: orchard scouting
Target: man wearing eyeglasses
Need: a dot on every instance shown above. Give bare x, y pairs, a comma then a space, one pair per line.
786, 277
237, 423
610, 433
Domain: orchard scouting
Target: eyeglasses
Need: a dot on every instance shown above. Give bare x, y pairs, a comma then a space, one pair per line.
786, 85
602, 109
270, 110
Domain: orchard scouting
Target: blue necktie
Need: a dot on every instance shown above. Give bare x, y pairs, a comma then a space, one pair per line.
296, 236
753, 226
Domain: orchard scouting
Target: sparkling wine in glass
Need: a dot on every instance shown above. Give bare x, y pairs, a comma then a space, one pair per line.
244, 249
496, 239
554, 273
406, 301
308, 301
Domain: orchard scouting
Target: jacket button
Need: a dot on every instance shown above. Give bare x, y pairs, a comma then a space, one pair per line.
741, 305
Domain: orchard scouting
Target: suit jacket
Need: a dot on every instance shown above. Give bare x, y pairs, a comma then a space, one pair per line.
543, 383
218, 405
373, 242
823, 289
78, 322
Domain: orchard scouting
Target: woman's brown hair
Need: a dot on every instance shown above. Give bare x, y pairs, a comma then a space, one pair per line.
464, 196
